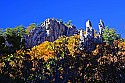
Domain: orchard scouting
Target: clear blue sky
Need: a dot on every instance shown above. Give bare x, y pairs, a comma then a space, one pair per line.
24, 12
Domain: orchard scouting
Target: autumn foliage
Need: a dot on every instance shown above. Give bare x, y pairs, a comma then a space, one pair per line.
44, 50
63, 61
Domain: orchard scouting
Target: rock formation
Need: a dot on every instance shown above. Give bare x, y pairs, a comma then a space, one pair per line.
101, 27
88, 41
50, 30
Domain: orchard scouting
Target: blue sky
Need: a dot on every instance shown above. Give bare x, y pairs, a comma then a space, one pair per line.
24, 12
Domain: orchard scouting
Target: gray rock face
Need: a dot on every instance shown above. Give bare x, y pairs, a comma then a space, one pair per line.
50, 30
88, 41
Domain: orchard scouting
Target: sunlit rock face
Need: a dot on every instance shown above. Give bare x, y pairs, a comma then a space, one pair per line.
50, 30
88, 41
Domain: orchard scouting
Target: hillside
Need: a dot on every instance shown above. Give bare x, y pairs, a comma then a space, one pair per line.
61, 59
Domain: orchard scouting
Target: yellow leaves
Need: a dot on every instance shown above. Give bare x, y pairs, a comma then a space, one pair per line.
1, 65
60, 44
12, 64
121, 45
96, 51
73, 43
11, 75
20, 52
44, 50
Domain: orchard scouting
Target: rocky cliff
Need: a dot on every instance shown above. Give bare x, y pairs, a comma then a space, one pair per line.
50, 30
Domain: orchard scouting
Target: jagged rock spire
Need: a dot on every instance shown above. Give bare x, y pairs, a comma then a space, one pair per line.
101, 22
81, 36
82, 40
101, 26
88, 24
89, 30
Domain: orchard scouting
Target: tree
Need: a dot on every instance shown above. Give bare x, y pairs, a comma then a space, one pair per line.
69, 24
30, 27
109, 35
2, 41
43, 50
14, 37
1, 32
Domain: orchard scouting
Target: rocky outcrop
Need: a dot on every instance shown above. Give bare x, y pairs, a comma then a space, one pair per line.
50, 30
88, 41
